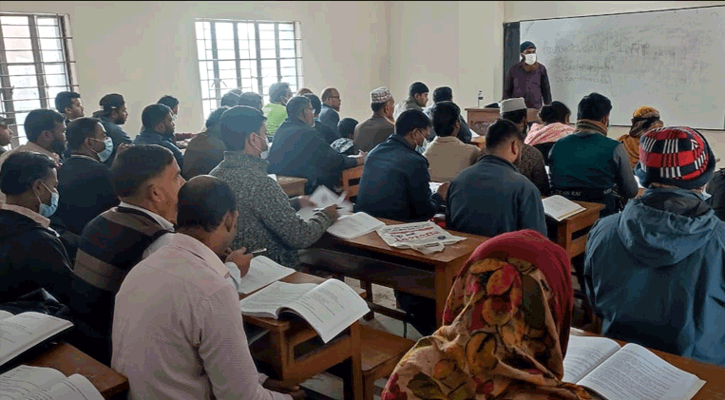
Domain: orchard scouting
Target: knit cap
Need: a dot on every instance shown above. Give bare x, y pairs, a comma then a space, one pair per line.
676, 156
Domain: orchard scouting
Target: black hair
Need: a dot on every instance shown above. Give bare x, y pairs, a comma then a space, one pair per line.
41, 120
515, 116
445, 115
64, 100
237, 123
277, 91
443, 93
21, 169
417, 88
136, 165
296, 105
500, 132
315, 101
594, 106
203, 202
554, 112
410, 120
79, 130
153, 115
230, 99
215, 117
346, 127
168, 101
250, 99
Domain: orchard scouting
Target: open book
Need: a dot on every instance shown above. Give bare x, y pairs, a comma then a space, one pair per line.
262, 272
19, 333
560, 208
329, 307
37, 383
625, 373
353, 226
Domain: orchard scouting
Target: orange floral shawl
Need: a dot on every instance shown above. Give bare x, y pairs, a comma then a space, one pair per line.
505, 329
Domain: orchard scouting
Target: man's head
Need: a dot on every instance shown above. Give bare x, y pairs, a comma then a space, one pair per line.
382, 102
316, 103
504, 139
251, 99
213, 123
645, 118
46, 128
300, 107
171, 102
230, 99
148, 176
414, 126
419, 92
6, 134
114, 107
208, 209
243, 128
555, 112
303, 91
528, 53
443, 93
346, 127
595, 107
446, 119
29, 179
675, 156
69, 104
280, 93
331, 97
87, 136
159, 118
514, 110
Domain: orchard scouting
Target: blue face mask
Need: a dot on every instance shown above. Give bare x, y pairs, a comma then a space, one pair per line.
103, 155
48, 210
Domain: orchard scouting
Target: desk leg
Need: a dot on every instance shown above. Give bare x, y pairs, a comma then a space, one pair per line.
444, 276
281, 365
353, 384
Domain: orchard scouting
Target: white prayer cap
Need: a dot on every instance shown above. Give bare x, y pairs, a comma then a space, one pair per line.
380, 95
515, 104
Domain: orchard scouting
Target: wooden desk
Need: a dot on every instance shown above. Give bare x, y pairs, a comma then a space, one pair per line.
479, 141
567, 227
291, 185
69, 360
409, 271
282, 347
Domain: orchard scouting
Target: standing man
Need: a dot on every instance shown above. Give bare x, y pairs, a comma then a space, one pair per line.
113, 114
528, 79
69, 104
380, 126
329, 114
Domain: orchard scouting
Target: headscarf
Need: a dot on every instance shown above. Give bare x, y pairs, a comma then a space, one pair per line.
631, 146
644, 119
505, 328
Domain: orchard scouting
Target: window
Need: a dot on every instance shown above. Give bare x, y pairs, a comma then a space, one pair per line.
35, 65
250, 55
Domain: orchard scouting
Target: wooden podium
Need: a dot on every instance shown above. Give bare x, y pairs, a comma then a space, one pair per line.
479, 119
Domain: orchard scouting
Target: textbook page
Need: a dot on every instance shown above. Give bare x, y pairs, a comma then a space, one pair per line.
330, 308
25, 330
559, 207
635, 373
583, 354
268, 301
5, 314
353, 226
262, 272
21, 381
75, 387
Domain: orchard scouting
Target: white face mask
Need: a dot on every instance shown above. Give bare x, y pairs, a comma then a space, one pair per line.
530, 59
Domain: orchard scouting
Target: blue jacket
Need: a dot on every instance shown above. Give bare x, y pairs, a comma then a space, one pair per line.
655, 273
149, 136
396, 183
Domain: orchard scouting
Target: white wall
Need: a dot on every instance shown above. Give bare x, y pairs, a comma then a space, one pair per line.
147, 49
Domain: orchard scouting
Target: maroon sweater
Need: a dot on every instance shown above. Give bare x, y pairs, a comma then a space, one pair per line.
532, 86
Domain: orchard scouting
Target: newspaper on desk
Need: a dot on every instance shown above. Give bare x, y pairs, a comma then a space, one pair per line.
425, 237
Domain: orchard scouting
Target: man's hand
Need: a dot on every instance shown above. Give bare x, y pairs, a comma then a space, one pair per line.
361, 157
443, 190
305, 201
123, 146
242, 260
331, 211
295, 391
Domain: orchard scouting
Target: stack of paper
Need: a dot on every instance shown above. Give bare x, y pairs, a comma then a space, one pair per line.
353, 226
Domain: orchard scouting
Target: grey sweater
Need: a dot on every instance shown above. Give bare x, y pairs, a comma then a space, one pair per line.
267, 217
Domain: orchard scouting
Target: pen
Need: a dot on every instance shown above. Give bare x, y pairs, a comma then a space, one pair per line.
259, 251
320, 209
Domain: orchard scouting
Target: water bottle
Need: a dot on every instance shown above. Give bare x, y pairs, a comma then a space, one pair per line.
480, 99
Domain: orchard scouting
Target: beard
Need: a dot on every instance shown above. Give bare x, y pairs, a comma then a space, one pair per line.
58, 147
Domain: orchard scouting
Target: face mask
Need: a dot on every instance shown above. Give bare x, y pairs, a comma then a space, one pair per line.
48, 210
266, 145
103, 155
530, 59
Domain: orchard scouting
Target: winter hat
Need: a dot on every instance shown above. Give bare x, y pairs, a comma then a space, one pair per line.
676, 156
526, 45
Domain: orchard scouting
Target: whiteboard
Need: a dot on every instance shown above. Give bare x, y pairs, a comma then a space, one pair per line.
672, 60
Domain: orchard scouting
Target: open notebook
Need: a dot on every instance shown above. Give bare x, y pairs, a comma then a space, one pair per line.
38, 383
625, 373
19, 333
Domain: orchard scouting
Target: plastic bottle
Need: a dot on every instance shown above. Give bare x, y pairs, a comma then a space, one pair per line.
480, 99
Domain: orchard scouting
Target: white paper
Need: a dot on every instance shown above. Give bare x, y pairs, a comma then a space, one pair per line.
324, 197
4, 314
584, 354
273, 176
262, 272
25, 330
425, 237
434, 186
267, 302
353, 226
560, 208
37, 383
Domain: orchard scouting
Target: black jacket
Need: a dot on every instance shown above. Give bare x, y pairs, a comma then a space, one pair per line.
327, 133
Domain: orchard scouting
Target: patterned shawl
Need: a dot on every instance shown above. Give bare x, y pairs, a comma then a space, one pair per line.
505, 329
547, 133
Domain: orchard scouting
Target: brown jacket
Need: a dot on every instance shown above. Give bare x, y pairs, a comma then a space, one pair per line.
372, 132
448, 156
203, 154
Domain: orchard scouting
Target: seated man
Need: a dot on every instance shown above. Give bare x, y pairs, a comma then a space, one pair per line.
158, 128
416, 100
173, 103
327, 133
31, 254
113, 114
251, 99
206, 150
345, 145
147, 180
177, 329
299, 150
84, 182
69, 104
655, 272
6, 134
396, 183
492, 197
330, 111
267, 217
531, 162
447, 155
380, 126
445, 94
643, 119
587, 165
230, 99
276, 110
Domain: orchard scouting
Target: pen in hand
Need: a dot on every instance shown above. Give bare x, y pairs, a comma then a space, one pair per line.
258, 251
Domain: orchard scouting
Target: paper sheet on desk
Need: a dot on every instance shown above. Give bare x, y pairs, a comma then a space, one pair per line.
425, 237
324, 197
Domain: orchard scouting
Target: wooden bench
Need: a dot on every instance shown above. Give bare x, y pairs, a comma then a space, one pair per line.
351, 181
